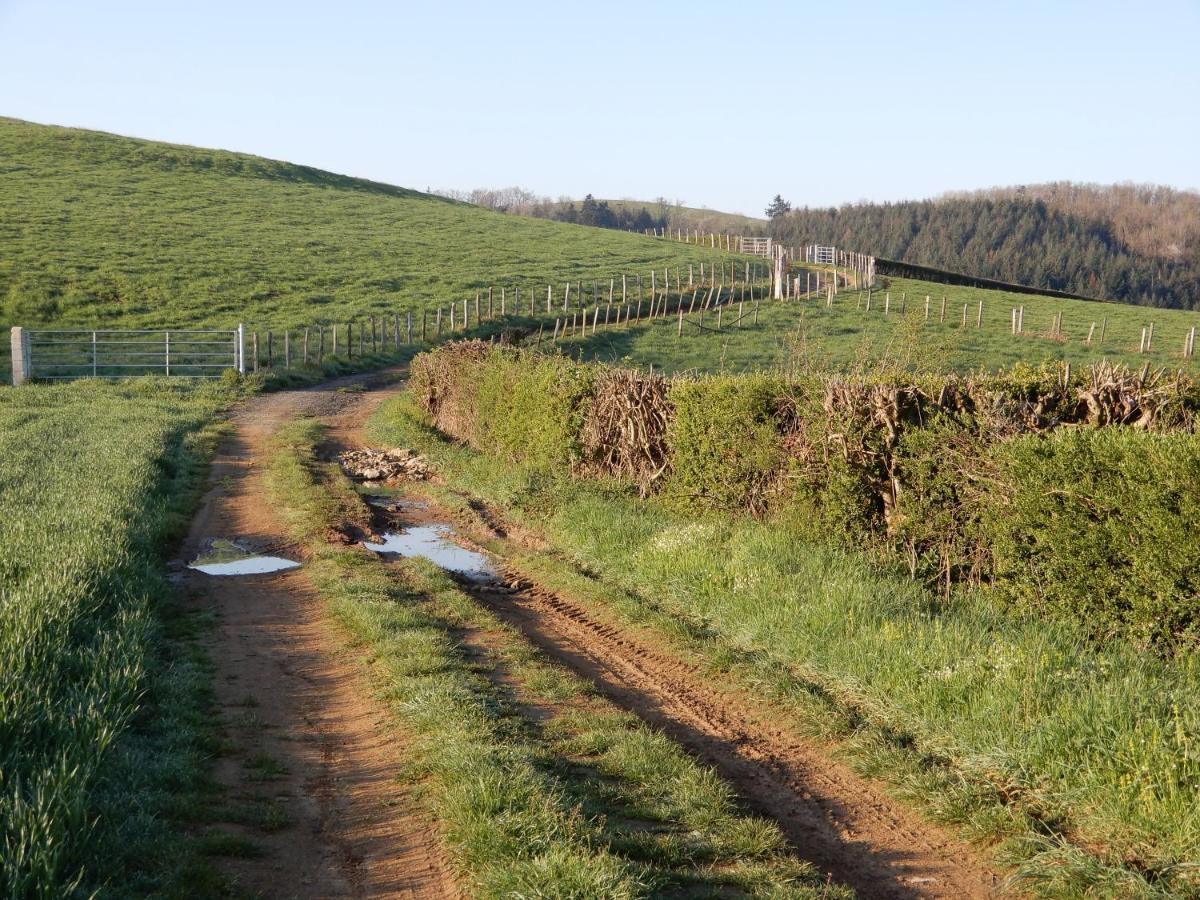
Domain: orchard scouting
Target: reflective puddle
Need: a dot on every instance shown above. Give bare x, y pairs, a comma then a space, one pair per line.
227, 558
395, 504
430, 542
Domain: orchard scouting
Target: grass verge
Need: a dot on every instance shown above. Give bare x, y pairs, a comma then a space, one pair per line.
1079, 764
577, 800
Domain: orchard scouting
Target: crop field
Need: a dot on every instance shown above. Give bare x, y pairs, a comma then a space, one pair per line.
94, 479
806, 335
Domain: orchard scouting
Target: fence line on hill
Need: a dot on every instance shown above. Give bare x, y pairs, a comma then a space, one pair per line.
562, 312
61, 354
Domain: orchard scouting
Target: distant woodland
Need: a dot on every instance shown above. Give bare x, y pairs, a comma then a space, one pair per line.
1134, 243
622, 215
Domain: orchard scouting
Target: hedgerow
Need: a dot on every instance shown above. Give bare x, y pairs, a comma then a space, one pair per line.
1074, 496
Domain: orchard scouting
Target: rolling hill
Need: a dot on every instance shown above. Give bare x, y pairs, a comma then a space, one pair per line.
105, 231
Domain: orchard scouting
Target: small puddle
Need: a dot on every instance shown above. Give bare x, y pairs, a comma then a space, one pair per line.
227, 558
430, 542
395, 504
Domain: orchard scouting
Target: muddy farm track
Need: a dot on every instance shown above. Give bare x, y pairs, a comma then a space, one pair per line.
288, 691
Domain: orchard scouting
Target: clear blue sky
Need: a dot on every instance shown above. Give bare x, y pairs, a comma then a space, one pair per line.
715, 103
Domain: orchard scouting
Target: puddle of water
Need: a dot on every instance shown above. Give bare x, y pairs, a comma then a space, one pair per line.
395, 503
227, 558
430, 542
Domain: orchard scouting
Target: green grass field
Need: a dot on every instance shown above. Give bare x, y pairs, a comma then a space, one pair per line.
106, 231
806, 334
102, 727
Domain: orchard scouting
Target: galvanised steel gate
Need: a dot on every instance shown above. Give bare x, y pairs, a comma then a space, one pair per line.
59, 354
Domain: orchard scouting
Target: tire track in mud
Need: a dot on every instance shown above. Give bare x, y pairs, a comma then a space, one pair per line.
834, 818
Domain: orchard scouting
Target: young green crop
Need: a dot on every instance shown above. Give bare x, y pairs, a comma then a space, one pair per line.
93, 480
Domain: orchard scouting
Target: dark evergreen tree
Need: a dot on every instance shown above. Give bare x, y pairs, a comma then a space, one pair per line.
778, 207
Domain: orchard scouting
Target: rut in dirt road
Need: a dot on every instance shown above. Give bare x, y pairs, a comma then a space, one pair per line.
311, 775
835, 819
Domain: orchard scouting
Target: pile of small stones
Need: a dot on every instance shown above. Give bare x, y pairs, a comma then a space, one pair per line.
384, 465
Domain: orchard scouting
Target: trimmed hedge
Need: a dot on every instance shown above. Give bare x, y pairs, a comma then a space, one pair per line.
724, 442
524, 408
1101, 525
1074, 497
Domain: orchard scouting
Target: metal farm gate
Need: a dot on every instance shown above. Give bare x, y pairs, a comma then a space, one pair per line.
756, 246
825, 255
61, 354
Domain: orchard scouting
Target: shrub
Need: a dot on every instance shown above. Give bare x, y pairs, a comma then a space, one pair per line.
519, 406
1100, 526
725, 442
530, 408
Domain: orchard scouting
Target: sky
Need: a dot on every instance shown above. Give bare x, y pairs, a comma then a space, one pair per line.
713, 104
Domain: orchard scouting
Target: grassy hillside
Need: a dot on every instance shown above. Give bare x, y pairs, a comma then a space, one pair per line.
807, 334
108, 231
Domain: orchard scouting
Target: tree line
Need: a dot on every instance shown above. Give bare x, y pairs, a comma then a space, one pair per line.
1134, 244
589, 211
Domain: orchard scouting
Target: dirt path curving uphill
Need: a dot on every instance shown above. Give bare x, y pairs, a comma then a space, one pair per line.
311, 771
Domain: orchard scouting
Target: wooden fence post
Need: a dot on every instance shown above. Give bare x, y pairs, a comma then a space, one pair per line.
979, 316
306, 345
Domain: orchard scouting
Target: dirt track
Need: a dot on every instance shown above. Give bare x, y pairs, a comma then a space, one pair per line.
354, 832
304, 731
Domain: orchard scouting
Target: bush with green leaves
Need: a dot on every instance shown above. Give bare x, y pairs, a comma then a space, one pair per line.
725, 442
1102, 526
1029, 481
